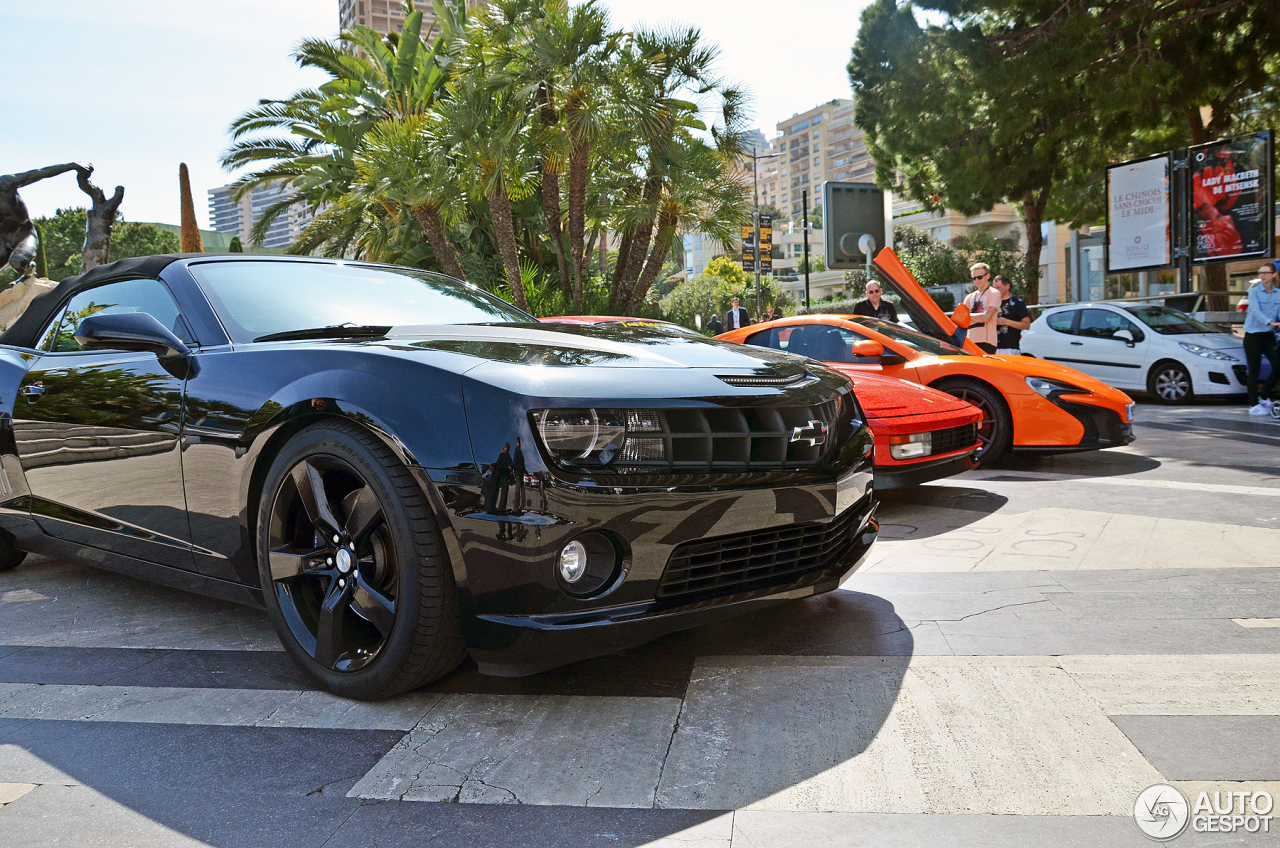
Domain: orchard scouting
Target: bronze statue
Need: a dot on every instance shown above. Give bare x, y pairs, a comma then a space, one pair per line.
18, 240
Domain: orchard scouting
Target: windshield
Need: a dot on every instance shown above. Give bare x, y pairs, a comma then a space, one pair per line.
1169, 322
256, 299
910, 338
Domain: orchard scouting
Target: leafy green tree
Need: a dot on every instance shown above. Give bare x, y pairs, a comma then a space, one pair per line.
64, 235
728, 271
235, 245
952, 119
931, 261
817, 262
42, 260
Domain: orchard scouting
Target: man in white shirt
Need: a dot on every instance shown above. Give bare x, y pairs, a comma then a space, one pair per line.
984, 308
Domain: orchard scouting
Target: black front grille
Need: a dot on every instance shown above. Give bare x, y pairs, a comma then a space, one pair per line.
756, 560
1242, 374
729, 440
954, 439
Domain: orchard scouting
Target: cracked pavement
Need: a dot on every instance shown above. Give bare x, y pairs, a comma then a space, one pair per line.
1026, 649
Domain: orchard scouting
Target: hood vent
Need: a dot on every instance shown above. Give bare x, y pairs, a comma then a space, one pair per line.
754, 381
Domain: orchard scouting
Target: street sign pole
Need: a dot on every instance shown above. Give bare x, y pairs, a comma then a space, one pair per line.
755, 222
804, 195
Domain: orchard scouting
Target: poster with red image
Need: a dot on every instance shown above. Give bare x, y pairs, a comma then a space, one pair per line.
1232, 198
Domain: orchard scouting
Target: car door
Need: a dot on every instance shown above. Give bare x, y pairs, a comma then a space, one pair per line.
1052, 337
1114, 360
97, 432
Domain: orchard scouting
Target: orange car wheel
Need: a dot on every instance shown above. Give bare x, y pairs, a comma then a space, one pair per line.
995, 430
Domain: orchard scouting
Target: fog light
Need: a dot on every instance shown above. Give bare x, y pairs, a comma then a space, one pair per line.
590, 565
910, 447
573, 562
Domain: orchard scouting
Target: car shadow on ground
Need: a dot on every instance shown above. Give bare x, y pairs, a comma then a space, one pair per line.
762, 677
919, 512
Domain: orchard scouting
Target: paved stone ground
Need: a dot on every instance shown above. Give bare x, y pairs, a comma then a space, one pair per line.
1028, 647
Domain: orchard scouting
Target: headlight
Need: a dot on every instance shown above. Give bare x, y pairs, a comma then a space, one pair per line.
582, 436
1050, 388
1206, 352
910, 447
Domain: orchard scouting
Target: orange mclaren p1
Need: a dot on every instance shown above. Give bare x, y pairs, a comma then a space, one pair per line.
1028, 405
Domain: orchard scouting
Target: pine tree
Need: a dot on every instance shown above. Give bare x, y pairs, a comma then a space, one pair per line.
236, 246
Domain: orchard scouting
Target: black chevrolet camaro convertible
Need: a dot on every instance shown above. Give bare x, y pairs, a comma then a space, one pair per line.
403, 469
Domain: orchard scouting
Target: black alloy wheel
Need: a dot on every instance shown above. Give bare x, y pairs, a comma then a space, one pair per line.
995, 429
1169, 382
352, 566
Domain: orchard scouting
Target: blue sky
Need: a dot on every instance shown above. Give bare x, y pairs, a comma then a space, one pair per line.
137, 86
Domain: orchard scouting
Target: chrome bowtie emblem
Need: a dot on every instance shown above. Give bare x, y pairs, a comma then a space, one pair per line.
815, 433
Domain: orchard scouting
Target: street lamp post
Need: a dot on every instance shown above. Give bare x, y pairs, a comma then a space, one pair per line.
755, 221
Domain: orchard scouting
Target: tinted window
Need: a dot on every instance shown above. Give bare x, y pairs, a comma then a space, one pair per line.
910, 338
1061, 321
256, 299
1169, 322
1102, 324
149, 296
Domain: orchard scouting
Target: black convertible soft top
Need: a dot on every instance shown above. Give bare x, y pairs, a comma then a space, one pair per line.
40, 312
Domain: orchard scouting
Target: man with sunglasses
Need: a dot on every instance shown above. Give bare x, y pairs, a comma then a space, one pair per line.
1260, 325
984, 308
875, 306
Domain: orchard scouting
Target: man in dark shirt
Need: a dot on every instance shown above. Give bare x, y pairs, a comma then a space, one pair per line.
875, 306
714, 327
1012, 320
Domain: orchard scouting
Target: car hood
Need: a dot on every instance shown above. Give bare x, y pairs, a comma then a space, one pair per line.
1213, 341
613, 345
889, 397
1029, 366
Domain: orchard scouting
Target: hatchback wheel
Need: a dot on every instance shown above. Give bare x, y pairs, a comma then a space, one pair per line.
352, 567
1169, 382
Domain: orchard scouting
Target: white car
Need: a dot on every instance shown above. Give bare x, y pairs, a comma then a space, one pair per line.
1149, 348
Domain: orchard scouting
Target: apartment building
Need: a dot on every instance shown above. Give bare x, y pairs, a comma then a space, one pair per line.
386, 16
811, 148
237, 217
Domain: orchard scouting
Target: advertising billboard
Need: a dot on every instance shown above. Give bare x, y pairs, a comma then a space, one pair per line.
1232, 198
748, 247
766, 244
1139, 215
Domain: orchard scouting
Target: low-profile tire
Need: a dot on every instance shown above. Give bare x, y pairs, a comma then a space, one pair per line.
376, 612
10, 557
1169, 382
995, 430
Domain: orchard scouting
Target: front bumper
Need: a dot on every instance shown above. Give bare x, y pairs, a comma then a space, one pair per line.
1103, 428
900, 476
533, 643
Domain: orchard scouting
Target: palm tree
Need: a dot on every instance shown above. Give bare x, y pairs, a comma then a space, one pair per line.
482, 136
398, 169
662, 69
320, 130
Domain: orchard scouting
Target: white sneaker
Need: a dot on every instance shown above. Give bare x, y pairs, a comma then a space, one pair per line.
1263, 407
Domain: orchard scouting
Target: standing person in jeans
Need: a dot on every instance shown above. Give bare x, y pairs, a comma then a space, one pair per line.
1260, 324
984, 308
1012, 320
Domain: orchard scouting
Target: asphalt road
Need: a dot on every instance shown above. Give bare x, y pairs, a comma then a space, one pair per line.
1027, 649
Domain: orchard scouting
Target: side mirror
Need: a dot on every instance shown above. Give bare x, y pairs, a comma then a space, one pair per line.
1124, 335
129, 331
960, 317
867, 347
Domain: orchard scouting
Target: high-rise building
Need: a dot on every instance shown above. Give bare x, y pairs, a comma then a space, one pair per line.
815, 146
237, 217
386, 16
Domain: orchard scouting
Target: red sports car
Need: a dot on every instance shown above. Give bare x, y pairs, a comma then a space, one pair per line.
921, 434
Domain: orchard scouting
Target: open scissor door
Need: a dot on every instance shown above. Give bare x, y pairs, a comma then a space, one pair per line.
928, 317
